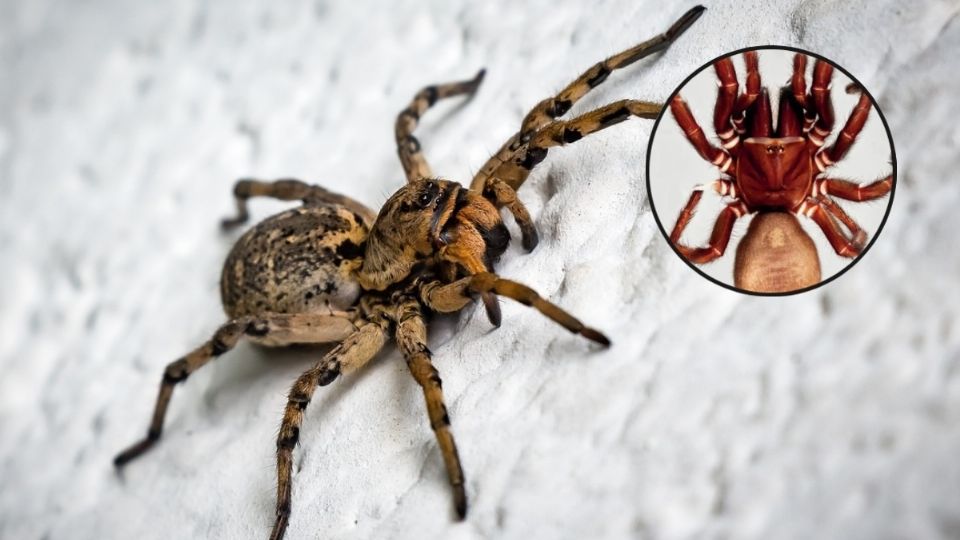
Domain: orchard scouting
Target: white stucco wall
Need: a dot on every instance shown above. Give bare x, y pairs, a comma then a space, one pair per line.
714, 415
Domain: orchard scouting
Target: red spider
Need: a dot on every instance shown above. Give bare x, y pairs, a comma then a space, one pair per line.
778, 169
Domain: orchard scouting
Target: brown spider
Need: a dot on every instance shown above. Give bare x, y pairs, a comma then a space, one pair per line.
776, 172
332, 271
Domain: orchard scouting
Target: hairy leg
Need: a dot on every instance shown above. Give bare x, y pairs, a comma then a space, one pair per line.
270, 328
502, 195
501, 189
289, 189
350, 355
751, 92
505, 171
857, 235
848, 135
719, 238
450, 297
798, 87
827, 221
725, 188
553, 107
694, 133
853, 191
563, 132
556, 106
411, 336
726, 100
408, 147
798, 80
821, 103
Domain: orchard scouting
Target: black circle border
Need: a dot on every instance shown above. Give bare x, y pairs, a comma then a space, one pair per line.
893, 162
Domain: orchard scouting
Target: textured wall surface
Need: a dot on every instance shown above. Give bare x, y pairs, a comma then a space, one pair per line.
714, 415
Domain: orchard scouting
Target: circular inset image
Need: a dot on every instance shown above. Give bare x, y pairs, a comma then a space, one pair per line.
771, 171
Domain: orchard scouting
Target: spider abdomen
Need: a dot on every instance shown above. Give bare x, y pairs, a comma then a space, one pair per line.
297, 261
776, 255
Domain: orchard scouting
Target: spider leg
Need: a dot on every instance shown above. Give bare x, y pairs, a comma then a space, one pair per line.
446, 297
501, 189
847, 136
721, 186
411, 337
726, 99
853, 191
798, 81
798, 87
694, 133
270, 329
450, 297
827, 221
751, 92
408, 147
503, 195
857, 235
723, 227
355, 351
505, 172
819, 97
289, 189
562, 132
554, 107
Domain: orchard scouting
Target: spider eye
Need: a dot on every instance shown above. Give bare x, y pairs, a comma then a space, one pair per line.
428, 195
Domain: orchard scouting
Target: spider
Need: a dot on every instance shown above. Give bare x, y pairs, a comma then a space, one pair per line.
333, 271
776, 172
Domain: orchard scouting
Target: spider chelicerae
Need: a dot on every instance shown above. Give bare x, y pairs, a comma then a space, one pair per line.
333, 271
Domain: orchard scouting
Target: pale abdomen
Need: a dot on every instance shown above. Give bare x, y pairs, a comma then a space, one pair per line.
776, 255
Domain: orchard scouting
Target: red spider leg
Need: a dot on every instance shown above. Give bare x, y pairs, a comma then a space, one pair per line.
720, 236
857, 234
721, 186
815, 210
853, 191
760, 116
693, 131
790, 122
726, 99
686, 215
822, 104
858, 117
752, 89
798, 84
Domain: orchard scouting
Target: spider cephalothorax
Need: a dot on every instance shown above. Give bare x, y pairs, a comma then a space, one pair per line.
333, 271
781, 168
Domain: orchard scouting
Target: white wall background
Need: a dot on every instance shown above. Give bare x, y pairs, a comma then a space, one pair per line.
714, 415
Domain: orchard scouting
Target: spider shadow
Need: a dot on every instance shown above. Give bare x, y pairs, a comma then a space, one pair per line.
443, 118
251, 365
221, 387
